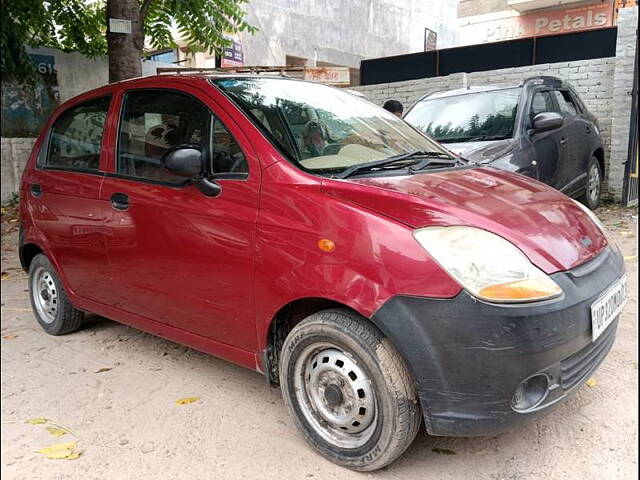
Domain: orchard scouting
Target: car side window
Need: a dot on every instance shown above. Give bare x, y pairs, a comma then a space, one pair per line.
154, 121
226, 155
541, 102
76, 137
566, 102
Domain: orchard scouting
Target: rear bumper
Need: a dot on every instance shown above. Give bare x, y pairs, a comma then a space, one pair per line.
468, 357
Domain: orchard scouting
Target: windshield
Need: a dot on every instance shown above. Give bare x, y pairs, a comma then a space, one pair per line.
324, 129
468, 117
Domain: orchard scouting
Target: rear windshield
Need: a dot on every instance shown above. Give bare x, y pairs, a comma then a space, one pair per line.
468, 117
320, 128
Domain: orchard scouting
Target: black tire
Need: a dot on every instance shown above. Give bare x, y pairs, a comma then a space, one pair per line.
397, 416
58, 317
593, 187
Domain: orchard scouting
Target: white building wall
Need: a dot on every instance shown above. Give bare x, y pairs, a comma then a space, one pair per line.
344, 32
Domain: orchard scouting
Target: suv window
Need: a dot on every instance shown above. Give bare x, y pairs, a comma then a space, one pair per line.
542, 102
566, 102
226, 155
152, 123
76, 136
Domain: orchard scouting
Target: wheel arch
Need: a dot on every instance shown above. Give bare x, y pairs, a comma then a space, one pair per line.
283, 322
599, 154
27, 251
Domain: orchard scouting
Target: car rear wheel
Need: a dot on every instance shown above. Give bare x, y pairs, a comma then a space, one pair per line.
593, 190
348, 390
49, 301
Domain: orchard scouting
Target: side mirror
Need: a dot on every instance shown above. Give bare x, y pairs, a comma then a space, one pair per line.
187, 161
183, 160
545, 121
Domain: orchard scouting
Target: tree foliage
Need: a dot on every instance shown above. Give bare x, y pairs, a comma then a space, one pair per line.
81, 25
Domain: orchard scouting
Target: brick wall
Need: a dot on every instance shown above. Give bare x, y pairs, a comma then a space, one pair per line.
604, 84
622, 81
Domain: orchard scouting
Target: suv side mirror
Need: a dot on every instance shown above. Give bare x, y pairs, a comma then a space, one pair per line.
188, 161
545, 121
183, 160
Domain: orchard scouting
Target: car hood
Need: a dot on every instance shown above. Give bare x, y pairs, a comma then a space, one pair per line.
549, 227
482, 152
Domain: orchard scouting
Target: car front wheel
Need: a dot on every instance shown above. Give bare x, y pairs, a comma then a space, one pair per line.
348, 390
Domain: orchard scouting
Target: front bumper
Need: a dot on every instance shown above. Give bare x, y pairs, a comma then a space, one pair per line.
468, 357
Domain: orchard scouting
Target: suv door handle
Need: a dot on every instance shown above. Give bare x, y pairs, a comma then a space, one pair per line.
119, 201
563, 141
36, 190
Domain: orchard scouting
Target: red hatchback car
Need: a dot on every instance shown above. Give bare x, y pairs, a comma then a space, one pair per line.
307, 234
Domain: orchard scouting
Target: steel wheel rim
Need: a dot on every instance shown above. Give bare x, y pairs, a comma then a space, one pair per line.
335, 395
594, 184
45, 294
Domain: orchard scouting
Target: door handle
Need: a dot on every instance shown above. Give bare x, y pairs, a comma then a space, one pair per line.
563, 141
36, 190
119, 201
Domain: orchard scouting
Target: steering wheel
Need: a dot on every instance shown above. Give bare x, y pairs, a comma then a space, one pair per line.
331, 149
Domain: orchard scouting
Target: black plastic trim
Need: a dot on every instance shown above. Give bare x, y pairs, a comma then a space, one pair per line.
468, 357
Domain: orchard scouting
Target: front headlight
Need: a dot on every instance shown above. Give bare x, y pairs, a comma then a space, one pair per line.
486, 265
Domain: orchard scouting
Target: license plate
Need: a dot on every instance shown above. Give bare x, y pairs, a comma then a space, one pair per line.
608, 307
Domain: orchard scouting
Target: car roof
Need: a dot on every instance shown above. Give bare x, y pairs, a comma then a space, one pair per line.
468, 90
531, 81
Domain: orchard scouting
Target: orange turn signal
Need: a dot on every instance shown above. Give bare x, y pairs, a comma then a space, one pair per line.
530, 289
326, 245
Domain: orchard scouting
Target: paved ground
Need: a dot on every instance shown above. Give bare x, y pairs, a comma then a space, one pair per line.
128, 425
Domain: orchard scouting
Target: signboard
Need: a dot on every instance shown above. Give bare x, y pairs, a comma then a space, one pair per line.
430, 40
328, 75
537, 24
232, 55
119, 25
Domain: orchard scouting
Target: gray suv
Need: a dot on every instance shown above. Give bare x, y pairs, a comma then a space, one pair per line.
539, 128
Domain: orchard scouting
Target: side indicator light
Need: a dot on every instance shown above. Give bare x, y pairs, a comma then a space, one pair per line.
326, 245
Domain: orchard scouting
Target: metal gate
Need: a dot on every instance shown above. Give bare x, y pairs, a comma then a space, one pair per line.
630, 188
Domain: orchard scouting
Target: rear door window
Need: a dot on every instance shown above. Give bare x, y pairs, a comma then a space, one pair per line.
153, 122
76, 137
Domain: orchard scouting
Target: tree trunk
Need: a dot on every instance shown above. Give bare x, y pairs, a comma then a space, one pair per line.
125, 49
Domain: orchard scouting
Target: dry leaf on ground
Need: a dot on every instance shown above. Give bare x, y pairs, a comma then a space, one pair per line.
37, 421
104, 369
592, 382
61, 450
56, 432
187, 400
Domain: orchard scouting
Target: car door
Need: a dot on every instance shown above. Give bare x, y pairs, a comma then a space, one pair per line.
65, 195
578, 141
580, 137
177, 256
550, 146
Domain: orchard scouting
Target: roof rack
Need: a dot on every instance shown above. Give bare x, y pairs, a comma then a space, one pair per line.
284, 71
543, 80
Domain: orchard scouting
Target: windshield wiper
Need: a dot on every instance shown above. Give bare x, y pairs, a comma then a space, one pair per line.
390, 160
477, 138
